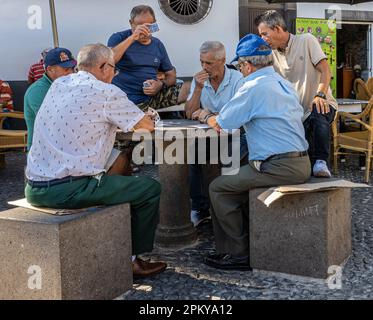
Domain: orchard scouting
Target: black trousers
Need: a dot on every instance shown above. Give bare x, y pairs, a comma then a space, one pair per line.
317, 130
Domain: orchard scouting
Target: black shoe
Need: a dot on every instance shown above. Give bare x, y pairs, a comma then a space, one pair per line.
228, 262
215, 256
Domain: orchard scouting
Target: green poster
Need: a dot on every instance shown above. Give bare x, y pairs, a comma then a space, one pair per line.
325, 32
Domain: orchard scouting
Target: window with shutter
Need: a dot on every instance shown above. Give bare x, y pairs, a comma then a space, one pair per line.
186, 11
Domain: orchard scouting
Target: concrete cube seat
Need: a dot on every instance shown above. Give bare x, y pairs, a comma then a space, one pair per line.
301, 234
85, 255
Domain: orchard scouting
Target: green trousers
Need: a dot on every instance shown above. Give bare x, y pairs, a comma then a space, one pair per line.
230, 195
142, 193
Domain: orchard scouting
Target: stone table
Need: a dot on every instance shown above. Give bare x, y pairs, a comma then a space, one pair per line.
175, 228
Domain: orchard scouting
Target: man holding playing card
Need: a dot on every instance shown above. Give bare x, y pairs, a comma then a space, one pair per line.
139, 56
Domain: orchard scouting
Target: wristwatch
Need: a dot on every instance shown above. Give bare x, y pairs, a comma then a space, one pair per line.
321, 95
207, 116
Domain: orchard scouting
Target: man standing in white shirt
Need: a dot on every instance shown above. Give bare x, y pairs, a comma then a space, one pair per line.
72, 163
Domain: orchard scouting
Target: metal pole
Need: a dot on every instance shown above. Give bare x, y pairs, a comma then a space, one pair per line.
54, 23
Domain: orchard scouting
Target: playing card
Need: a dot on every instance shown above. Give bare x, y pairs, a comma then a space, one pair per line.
154, 115
153, 27
146, 84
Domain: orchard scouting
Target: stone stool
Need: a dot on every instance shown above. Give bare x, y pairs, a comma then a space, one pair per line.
85, 255
301, 234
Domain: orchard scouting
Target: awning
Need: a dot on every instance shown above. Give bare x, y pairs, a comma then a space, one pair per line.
351, 2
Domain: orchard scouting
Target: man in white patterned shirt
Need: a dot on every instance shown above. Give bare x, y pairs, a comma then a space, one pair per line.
72, 163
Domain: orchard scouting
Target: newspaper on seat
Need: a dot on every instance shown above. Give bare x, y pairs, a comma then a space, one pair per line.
58, 212
314, 185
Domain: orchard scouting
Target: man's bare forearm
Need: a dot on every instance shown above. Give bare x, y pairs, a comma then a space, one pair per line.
170, 78
324, 83
325, 77
121, 48
194, 103
145, 124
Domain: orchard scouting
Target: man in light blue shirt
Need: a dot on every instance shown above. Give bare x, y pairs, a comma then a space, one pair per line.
212, 99
268, 108
216, 84
211, 89
265, 106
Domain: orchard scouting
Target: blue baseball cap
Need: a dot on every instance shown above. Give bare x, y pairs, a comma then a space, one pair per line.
59, 57
250, 45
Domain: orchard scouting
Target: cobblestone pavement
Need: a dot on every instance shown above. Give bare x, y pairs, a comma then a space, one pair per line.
188, 278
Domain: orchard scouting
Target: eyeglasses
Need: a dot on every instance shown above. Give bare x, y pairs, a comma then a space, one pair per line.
116, 70
240, 64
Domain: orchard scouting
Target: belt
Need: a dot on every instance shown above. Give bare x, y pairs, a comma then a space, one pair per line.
296, 154
54, 182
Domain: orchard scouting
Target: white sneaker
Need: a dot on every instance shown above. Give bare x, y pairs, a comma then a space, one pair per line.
320, 169
197, 217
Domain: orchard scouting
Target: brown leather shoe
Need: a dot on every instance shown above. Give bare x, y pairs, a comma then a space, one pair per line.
143, 268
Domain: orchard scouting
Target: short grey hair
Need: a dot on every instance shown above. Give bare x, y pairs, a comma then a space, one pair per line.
213, 46
259, 61
272, 19
92, 55
139, 10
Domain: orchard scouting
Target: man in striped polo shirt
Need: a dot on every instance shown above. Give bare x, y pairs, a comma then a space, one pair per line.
37, 70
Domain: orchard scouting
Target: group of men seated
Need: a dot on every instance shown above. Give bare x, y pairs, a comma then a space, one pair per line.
279, 97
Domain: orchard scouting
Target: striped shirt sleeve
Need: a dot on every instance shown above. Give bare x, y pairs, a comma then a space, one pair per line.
6, 96
36, 72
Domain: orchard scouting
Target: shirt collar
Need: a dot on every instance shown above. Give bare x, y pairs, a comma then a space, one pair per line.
288, 47
88, 75
259, 73
46, 78
226, 79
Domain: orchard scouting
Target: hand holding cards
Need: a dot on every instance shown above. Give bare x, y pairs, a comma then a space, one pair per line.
153, 27
151, 87
153, 114
146, 84
140, 31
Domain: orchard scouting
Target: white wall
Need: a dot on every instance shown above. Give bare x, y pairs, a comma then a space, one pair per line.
89, 21
20, 47
317, 11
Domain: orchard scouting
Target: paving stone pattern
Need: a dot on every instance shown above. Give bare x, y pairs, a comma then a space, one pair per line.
188, 278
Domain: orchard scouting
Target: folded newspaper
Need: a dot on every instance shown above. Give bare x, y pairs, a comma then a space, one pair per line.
58, 212
275, 193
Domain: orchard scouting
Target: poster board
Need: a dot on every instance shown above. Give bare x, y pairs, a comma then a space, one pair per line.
325, 32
